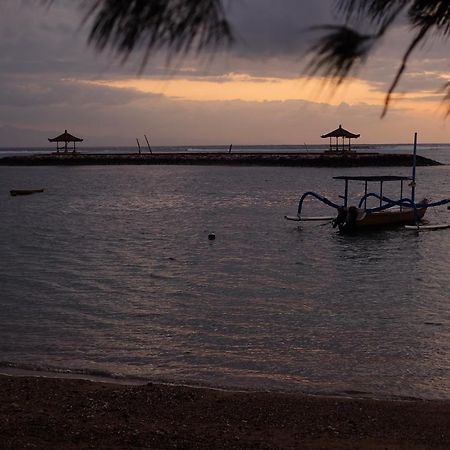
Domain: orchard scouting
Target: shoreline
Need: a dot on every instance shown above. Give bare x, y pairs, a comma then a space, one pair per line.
324, 159
16, 372
56, 413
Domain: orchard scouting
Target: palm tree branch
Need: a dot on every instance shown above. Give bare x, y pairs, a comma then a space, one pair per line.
177, 25
338, 51
415, 42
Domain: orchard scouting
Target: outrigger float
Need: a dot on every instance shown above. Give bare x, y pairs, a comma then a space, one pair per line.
404, 211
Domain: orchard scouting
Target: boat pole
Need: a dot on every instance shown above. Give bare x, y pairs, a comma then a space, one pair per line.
413, 183
148, 145
139, 145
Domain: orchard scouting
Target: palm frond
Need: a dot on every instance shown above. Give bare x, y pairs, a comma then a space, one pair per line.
430, 14
415, 42
375, 11
178, 26
339, 51
342, 49
446, 99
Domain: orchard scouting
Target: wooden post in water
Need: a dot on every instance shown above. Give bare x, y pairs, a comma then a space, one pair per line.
139, 145
346, 194
148, 145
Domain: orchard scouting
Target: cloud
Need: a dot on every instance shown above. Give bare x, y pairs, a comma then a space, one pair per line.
30, 91
46, 67
267, 29
170, 121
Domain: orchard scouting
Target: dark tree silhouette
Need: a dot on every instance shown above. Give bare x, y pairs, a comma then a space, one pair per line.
175, 25
179, 26
341, 49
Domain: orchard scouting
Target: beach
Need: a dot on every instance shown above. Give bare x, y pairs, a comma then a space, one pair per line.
68, 414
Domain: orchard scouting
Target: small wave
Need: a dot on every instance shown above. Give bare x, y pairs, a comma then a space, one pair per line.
28, 369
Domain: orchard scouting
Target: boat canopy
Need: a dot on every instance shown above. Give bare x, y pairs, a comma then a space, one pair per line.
373, 178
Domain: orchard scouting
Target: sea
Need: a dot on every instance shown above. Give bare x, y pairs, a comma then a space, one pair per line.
110, 274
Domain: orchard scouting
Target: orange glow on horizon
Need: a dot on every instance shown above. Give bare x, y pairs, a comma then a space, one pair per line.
241, 87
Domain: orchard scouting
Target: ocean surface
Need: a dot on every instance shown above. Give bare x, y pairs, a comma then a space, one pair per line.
110, 272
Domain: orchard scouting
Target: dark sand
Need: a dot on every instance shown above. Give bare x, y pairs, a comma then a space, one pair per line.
45, 414
234, 159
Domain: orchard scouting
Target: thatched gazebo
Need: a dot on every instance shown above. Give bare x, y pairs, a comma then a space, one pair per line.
340, 133
62, 141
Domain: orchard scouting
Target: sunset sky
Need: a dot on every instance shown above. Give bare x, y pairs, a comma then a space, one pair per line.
253, 93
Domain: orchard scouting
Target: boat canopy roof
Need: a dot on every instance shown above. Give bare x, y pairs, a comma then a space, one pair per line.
373, 178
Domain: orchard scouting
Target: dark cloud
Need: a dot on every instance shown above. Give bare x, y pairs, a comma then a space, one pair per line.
265, 28
44, 58
55, 40
28, 91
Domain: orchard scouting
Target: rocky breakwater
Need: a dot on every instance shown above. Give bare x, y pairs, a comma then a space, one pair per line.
233, 159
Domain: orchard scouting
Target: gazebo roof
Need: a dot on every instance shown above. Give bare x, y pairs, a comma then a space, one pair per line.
65, 137
341, 132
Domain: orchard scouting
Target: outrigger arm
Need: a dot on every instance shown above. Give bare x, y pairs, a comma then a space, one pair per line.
323, 199
389, 203
404, 202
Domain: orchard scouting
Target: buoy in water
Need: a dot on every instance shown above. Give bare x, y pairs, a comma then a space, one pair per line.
211, 236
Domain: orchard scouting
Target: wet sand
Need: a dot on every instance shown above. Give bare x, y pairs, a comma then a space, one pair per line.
260, 159
43, 413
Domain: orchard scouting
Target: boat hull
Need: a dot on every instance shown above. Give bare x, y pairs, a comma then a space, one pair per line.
25, 191
391, 218
352, 219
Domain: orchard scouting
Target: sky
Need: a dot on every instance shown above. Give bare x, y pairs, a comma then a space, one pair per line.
255, 92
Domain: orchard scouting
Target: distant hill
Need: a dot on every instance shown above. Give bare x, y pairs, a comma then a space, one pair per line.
23, 137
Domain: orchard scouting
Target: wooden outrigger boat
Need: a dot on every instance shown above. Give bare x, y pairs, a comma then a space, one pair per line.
15, 192
404, 211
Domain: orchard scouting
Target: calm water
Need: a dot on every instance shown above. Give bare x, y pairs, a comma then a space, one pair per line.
111, 271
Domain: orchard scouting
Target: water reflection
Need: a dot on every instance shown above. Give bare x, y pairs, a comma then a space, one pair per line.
112, 270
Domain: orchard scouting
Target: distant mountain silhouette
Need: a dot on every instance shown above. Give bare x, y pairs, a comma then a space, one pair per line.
23, 137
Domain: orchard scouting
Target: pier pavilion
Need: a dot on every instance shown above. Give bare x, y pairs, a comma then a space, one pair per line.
63, 140
343, 134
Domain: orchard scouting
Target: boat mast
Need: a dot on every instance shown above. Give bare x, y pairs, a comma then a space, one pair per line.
413, 184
